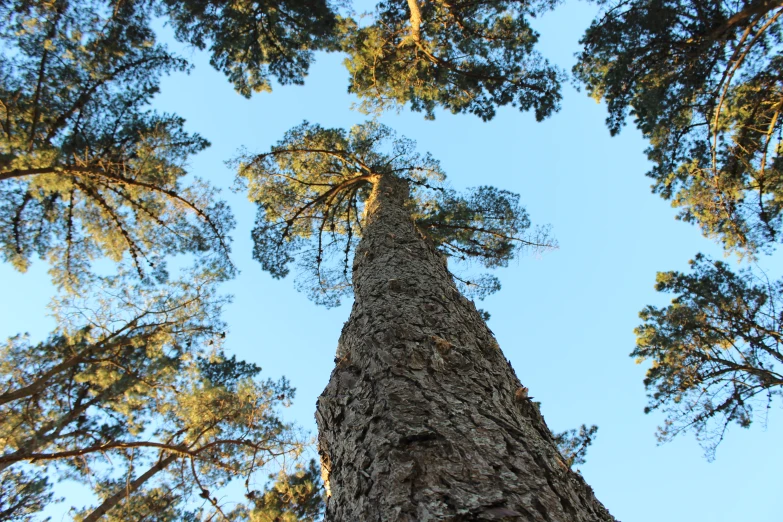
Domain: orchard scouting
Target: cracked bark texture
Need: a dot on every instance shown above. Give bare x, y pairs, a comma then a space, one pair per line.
423, 418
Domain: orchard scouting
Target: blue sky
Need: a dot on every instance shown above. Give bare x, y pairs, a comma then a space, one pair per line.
565, 320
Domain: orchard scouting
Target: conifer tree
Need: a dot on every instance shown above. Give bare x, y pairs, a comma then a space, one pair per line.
462, 56
704, 83
134, 396
251, 41
311, 190
86, 169
423, 418
717, 350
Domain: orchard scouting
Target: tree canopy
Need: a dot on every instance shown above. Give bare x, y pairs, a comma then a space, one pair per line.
312, 187
704, 82
251, 41
22, 494
86, 169
293, 497
134, 397
716, 351
462, 56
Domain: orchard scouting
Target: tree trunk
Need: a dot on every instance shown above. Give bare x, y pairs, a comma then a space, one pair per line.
423, 418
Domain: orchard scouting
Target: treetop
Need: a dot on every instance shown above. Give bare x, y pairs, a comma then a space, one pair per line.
704, 83
716, 350
251, 41
86, 168
468, 57
312, 187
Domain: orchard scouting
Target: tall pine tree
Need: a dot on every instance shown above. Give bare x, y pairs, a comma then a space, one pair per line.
423, 417
704, 83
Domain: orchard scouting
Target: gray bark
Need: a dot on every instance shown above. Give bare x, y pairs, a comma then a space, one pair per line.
423, 418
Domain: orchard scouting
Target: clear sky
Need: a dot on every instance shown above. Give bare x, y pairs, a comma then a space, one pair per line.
565, 320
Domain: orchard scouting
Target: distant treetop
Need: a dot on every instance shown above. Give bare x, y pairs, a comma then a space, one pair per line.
462, 56
704, 83
251, 41
716, 350
311, 190
86, 168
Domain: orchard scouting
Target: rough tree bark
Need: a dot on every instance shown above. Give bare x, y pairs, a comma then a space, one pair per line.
423, 418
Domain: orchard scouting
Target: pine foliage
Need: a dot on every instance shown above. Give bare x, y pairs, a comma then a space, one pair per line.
716, 351
86, 169
134, 397
252, 41
470, 57
312, 187
704, 83
573, 444
292, 497
22, 495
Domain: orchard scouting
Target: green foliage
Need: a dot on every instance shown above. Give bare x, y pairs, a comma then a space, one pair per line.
226, 372
22, 494
133, 396
312, 188
206, 436
101, 370
253, 40
161, 504
292, 497
715, 351
463, 56
573, 444
704, 82
85, 169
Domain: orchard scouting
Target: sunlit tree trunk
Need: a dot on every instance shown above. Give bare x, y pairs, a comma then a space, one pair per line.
423, 417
